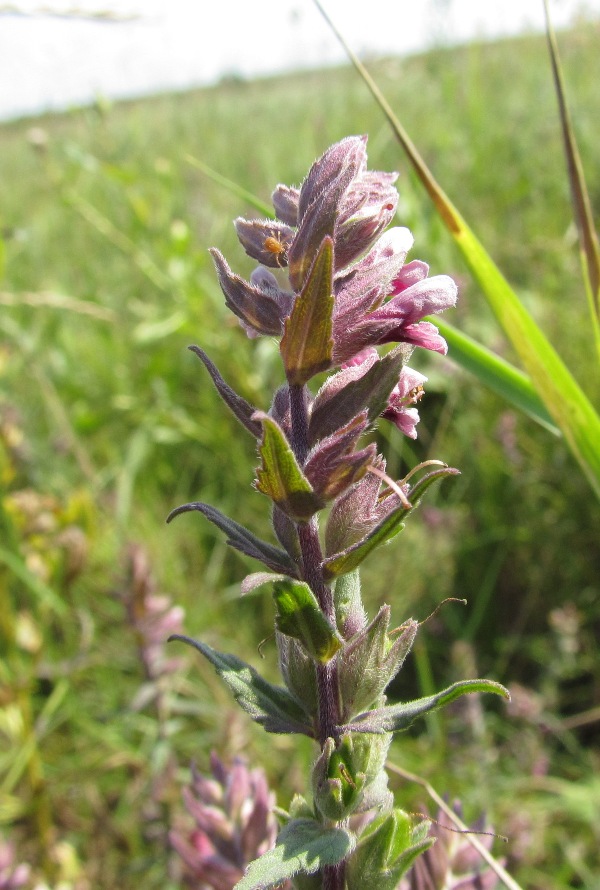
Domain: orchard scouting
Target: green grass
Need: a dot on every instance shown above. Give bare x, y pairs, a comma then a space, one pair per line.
107, 417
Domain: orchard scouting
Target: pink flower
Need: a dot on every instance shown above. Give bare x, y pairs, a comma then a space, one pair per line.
378, 299
408, 391
233, 824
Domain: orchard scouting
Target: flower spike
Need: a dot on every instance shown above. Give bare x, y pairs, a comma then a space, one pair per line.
333, 285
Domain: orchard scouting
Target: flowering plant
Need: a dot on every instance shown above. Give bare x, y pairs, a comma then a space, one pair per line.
349, 295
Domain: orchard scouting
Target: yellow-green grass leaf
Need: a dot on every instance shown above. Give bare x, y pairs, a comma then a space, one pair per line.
231, 186
496, 373
46, 595
566, 402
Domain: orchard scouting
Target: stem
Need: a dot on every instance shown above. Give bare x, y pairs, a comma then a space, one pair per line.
333, 876
312, 559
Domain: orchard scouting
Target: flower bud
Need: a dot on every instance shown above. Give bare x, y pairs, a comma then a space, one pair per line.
370, 661
387, 849
346, 772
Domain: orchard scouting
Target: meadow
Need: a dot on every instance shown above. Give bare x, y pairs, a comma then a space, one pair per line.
108, 422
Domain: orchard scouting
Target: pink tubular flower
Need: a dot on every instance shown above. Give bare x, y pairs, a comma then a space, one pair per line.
407, 392
378, 299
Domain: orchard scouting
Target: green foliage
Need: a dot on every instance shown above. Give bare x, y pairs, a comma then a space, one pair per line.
386, 851
302, 846
397, 717
299, 616
271, 706
279, 476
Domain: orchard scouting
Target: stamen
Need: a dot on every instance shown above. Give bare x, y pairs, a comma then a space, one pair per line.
393, 485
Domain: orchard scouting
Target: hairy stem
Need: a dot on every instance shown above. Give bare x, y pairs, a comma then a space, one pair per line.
334, 877
312, 559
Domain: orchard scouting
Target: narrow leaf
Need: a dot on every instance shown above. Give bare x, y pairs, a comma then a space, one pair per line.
271, 706
242, 409
497, 374
397, 717
299, 615
241, 538
231, 186
280, 477
303, 845
582, 208
566, 402
351, 558
307, 343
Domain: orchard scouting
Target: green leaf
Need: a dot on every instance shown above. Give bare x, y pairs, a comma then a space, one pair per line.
299, 615
152, 331
397, 717
241, 538
271, 706
303, 845
566, 402
351, 558
496, 373
307, 343
280, 477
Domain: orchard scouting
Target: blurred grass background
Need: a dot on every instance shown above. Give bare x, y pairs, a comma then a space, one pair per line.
108, 422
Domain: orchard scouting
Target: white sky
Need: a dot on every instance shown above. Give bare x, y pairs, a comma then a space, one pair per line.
53, 62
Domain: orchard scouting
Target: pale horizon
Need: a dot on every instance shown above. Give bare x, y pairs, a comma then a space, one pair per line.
49, 62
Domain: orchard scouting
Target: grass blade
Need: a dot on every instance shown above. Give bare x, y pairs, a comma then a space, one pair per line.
496, 373
496, 867
582, 209
232, 187
567, 404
